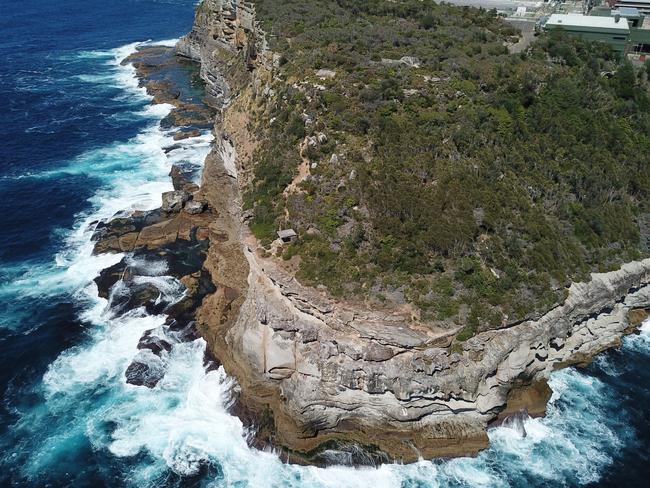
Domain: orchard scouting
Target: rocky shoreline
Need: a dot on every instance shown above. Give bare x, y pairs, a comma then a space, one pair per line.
174, 237
320, 378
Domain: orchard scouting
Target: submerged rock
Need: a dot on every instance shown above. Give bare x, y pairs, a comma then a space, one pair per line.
154, 343
188, 115
516, 422
349, 454
146, 369
128, 295
108, 277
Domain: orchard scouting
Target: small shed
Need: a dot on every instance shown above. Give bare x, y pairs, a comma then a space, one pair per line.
287, 235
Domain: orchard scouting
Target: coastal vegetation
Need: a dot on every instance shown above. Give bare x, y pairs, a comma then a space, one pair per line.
444, 171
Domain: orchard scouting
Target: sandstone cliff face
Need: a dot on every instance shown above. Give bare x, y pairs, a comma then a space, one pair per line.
225, 33
383, 380
333, 371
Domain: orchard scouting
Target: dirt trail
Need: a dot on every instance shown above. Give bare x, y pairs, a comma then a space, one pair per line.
303, 171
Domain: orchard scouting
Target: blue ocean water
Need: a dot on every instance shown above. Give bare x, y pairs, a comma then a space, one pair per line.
80, 142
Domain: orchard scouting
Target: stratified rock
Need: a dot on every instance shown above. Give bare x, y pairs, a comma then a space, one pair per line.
121, 233
188, 115
173, 201
394, 381
163, 91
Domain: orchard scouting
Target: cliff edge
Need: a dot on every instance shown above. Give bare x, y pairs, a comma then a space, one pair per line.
319, 374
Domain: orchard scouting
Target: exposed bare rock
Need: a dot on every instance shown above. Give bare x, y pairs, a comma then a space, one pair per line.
186, 134
387, 375
173, 201
325, 73
223, 28
182, 179
154, 343
637, 315
408, 61
146, 369
195, 207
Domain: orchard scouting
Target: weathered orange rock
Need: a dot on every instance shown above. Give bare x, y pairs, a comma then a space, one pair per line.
637, 315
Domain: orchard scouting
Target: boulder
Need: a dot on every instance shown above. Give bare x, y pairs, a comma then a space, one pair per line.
195, 207
325, 73
173, 201
377, 353
637, 315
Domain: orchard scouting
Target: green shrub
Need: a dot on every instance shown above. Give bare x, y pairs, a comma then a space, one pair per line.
480, 178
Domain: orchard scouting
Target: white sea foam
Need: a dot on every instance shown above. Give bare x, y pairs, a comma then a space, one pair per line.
605, 364
156, 111
171, 289
147, 266
113, 345
640, 341
164, 42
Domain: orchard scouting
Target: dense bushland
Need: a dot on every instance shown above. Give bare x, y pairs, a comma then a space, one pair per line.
475, 185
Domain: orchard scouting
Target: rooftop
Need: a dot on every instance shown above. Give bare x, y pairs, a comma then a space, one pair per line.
579, 20
287, 234
627, 11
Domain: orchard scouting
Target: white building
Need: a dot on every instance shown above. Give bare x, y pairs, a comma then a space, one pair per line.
614, 31
642, 5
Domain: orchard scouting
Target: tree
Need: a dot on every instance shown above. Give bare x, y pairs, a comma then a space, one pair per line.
624, 80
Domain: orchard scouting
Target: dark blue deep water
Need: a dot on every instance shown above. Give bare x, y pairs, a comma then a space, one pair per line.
80, 142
